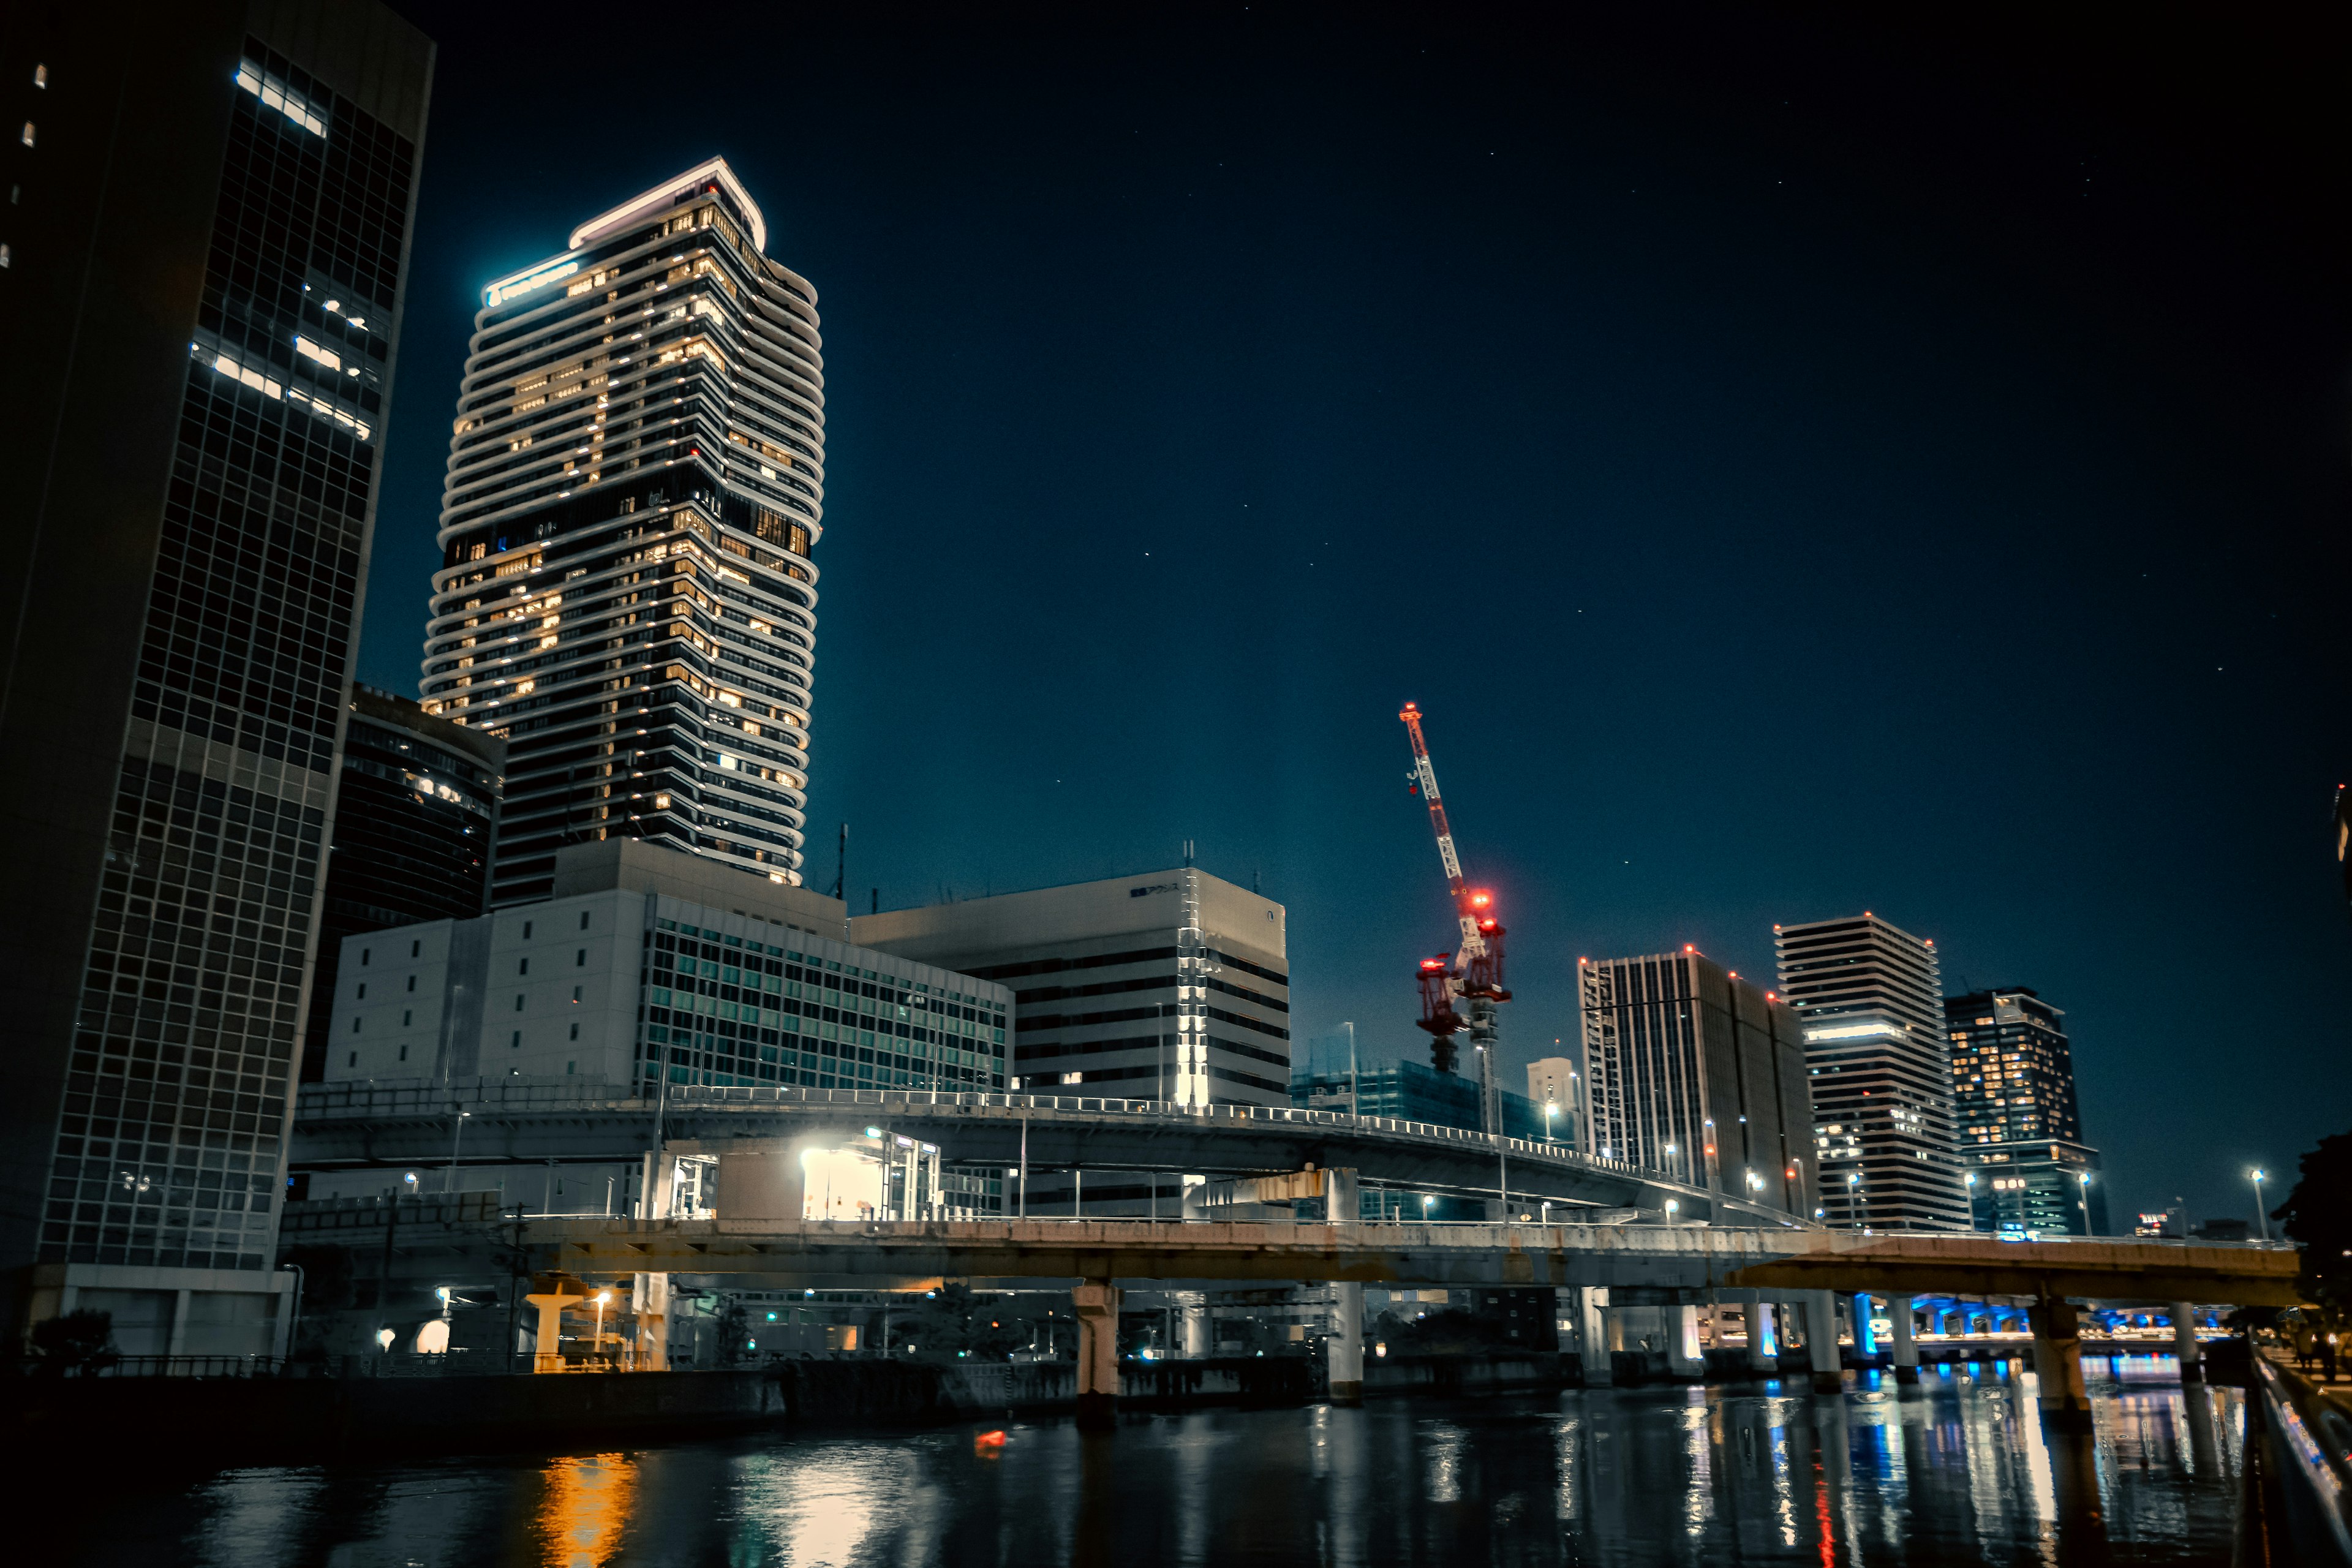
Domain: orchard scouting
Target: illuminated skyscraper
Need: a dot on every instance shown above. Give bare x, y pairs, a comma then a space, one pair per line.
1872, 1009
635, 483
206, 240
2019, 1132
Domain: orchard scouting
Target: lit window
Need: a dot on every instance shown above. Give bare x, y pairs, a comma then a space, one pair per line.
324, 355
41, 75
273, 94
5, 260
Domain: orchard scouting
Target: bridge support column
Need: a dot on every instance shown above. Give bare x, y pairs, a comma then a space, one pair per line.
1822, 1340
650, 1299
1592, 1335
1906, 1339
2058, 1364
1195, 1324
1097, 1304
1763, 1335
551, 1297
1865, 1338
1346, 1345
2184, 1342
1683, 1357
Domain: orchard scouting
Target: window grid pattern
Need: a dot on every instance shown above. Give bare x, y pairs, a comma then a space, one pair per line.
168, 1152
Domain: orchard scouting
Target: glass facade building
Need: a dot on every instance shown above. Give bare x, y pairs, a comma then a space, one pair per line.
1871, 999
415, 824
635, 485
2020, 1131
208, 248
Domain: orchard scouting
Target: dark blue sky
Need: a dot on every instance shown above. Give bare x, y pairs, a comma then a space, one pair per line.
1798, 467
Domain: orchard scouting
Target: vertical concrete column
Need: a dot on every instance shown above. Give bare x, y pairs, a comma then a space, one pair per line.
1195, 1324
649, 1299
551, 1302
2058, 1364
176, 1334
2184, 1342
1822, 1340
1763, 1336
1592, 1334
1865, 1338
1683, 1357
1097, 1304
1906, 1342
1346, 1345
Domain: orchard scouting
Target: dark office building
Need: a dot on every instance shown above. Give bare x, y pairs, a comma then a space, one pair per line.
2021, 1134
414, 829
211, 206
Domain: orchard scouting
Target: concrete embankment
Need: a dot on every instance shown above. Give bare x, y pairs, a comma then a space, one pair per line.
328, 1416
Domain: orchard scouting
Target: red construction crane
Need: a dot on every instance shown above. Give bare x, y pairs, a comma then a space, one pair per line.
1476, 972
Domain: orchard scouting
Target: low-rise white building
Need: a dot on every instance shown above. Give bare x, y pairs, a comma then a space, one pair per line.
647, 958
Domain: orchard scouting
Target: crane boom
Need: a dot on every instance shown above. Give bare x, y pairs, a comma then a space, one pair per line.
1472, 944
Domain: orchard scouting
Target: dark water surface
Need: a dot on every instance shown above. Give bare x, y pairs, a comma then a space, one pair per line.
1957, 1471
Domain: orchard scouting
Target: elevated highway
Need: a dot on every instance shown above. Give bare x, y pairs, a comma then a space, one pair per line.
342, 1127
1681, 1259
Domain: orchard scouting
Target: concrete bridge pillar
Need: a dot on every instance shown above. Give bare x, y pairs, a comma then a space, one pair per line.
1905, 1335
1865, 1338
1592, 1334
1195, 1324
1346, 1345
1763, 1335
1683, 1357
2058, 1364
550, 1296
1097, 1305
649, 1299
1822, 1341
2184, 1342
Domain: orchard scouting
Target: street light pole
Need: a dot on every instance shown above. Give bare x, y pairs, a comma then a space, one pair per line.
2083, 1198
2260, 1218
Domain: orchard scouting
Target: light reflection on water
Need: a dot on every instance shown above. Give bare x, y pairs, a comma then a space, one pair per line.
1956, 1471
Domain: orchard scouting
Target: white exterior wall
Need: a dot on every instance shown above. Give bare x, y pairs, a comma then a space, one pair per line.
558, 999
393, 986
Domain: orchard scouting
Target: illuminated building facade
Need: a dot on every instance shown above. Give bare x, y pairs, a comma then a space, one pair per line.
645, 956
1691, 1071
1170, 985
415, 821
1871, 999
635, 483
207, 240
2021, 1132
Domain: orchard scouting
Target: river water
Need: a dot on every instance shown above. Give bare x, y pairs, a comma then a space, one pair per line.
1956, 1471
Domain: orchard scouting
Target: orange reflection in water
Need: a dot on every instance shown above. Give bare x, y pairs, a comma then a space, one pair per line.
987, 1445
585, 1506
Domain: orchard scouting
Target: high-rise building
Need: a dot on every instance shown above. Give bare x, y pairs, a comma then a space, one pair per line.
1167, 986
635, 480
414, 822
2021, 1134
1872, 1003
205, 243
1691, 1071
645, 956
1555, 1086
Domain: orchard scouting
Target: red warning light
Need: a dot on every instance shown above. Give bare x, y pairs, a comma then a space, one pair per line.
1433, 963
1482, 900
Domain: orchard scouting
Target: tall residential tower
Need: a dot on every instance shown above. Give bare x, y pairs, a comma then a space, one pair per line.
206, 241
2019, 1133
635, 481
1873, 1006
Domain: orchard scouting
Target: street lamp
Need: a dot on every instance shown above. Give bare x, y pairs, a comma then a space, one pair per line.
1672, 1206
602, 1297
1551, 1108
2083, 1198
2260, 1218
1670, 1159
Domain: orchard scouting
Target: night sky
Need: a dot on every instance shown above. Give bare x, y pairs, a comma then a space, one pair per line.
1798, 466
